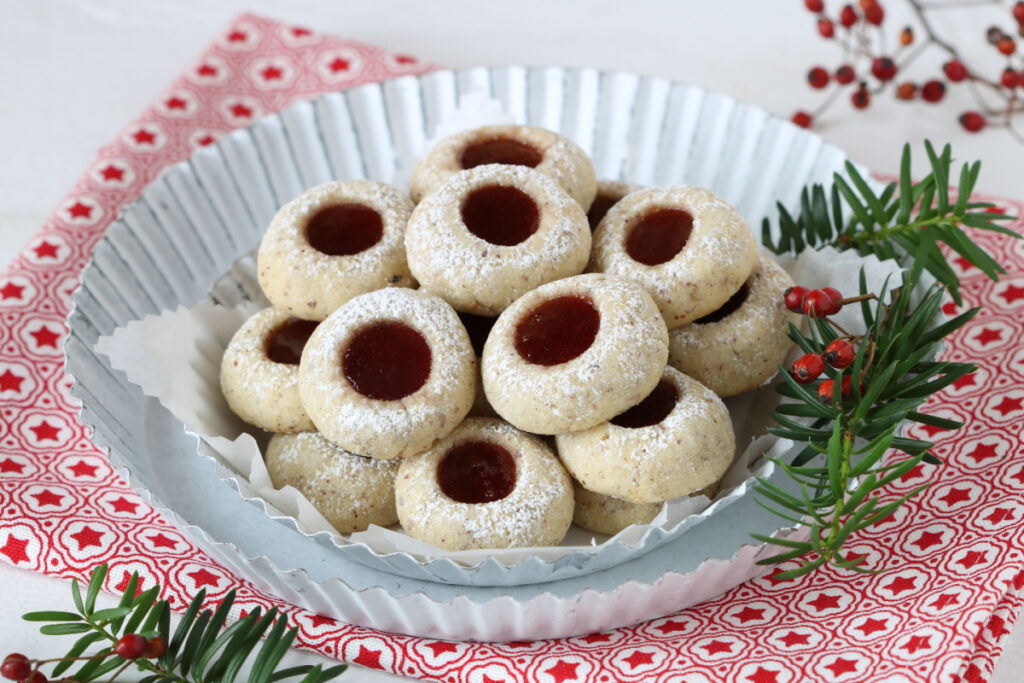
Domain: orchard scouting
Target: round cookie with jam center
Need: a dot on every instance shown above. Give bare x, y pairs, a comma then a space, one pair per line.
259, 372
334, 242
739, 346
545, 151
677, 440
388, 373
486, 485
491, 234
687, 247
574, 353
350, 491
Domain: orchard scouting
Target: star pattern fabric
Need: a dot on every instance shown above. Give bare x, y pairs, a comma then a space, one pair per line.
957, 589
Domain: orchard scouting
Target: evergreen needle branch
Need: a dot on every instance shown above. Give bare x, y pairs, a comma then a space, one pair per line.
848, 421
895, 222
138, 632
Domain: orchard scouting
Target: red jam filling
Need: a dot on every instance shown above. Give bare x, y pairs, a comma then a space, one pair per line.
344, 229
659, 236
726, 309
478, 327
557, 330
500, 214
599, 208
285, 344
477, 472
652, 410
499, 151
387, 361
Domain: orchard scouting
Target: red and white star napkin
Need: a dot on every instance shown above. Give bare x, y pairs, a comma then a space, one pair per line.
955, 551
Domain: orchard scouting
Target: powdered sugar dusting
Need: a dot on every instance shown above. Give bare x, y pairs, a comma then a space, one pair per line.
687, 450
478, 276
412, 422
286, 231
542, 490
718, 256
620, 367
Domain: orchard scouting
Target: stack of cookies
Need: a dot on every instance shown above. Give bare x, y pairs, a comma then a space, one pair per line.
421, 350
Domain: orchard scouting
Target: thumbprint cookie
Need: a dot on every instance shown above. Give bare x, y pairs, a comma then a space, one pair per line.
332, 243
574, 353
259, 372
388, 373
687, 247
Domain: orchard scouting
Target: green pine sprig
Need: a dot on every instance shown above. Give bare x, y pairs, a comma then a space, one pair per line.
836, 481
895, 222
837, 478
200, 650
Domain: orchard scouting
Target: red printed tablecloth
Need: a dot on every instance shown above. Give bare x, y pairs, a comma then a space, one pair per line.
941, 614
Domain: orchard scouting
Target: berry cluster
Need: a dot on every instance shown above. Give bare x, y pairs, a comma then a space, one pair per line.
816, 303
839, 354
131, 646
867, 68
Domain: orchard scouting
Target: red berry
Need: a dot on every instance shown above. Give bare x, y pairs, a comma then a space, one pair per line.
845, 74
1018, 12
155, 647
825, 391
837, 299
955, 70
131, 646
875, 15
35, 677
826, 28
817, 77
814, 5
883, 68
906, 36
972, 121
840, 353
845, 387
868, 4
906, 91
1006, 45
1010, 79
933, 91
848, 16
794, 298
15, 667
861, 98
808, 368
817, 304
802, 119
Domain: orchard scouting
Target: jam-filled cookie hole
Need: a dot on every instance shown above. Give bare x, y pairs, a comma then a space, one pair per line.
557, 330
387, 361
652, 410
500, 214
658, 236
499, 151
285, 343
344, 229
477, 472
728, 308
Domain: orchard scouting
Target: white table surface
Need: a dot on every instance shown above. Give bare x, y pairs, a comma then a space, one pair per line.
72, 74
